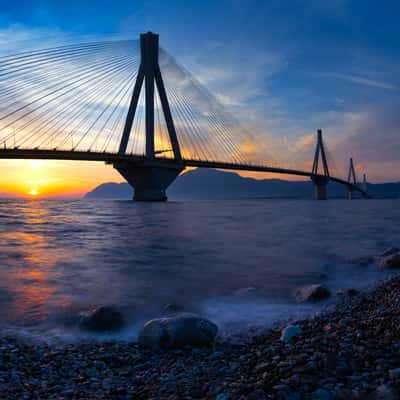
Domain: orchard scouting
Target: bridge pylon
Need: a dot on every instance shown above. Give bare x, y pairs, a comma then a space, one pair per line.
151, 177
320, 180
352, 180
365, 184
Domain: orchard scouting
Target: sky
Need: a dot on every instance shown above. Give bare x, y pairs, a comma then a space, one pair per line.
284, 69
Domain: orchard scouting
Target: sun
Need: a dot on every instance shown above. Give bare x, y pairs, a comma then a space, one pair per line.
33, 192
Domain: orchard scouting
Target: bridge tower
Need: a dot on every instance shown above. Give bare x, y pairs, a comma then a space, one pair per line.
150, 177
351, 179
365, 184
320, 180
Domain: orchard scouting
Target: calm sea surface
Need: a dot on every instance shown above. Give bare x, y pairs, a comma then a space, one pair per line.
62, 258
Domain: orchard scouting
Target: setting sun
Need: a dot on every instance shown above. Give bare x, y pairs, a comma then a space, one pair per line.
52, 178
33, 192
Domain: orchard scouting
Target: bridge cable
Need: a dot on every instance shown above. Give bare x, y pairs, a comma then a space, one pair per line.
66, 86
76, 101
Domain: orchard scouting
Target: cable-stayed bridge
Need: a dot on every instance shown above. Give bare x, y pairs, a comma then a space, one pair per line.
129, 104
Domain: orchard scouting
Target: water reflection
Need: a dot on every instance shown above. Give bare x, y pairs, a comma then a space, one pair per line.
58, 258
32, 274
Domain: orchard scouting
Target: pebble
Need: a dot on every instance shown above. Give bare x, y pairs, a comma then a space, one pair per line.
290, 332
224, 396
322, 394
395, 373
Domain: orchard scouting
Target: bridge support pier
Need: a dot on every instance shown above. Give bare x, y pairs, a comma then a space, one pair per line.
352, 194
149, 179
320, 184
355, 194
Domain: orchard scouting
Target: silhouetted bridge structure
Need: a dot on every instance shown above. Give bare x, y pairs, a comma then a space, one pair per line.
144, 114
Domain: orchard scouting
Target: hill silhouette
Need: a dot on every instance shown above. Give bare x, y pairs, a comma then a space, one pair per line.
201, 184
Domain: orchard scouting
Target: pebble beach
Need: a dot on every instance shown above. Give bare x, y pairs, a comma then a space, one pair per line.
350, 351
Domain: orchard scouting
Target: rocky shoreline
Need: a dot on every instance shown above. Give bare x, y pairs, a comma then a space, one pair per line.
351, 351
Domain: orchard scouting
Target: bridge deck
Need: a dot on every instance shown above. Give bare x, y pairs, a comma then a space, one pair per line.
110, 158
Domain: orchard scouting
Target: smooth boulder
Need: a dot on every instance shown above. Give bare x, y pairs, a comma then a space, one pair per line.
177, 331
290, 332
312, 293
102, 319
390, 262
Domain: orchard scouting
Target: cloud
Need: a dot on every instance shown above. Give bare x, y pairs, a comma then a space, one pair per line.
374, 142
236, 74
360, 80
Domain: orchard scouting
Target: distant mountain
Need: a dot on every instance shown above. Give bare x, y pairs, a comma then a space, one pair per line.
111, 191
204, 184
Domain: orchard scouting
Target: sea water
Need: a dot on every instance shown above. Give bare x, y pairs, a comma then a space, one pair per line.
59, 259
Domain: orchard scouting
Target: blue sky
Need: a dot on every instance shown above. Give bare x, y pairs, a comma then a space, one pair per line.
284, 68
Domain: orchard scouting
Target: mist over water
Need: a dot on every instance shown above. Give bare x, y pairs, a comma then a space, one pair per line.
62, 258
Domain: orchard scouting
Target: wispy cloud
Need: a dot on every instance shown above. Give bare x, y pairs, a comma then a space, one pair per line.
360, 80
232, 77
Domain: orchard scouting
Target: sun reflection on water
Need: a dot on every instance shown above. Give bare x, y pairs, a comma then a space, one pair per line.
32, 280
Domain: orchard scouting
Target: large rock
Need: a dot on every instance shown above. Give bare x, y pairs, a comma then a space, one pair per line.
290, 332
312, 293
390, 262
177, 331
103, 319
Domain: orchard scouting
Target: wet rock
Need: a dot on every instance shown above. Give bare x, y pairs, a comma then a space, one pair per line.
290, 332
103, 319
390, 262
390, 251
312, 293
177, 331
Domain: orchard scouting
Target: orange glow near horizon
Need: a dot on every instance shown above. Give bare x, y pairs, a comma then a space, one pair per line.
68, 179
44, 178
72, 179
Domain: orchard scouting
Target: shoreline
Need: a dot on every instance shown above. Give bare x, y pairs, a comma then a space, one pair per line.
350, 350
